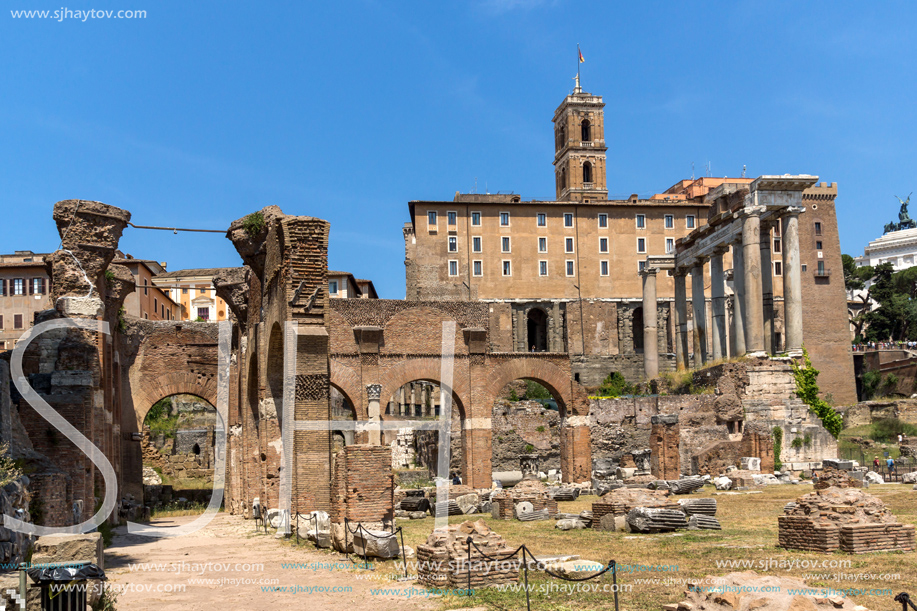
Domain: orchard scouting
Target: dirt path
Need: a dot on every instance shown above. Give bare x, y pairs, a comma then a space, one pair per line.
183, 580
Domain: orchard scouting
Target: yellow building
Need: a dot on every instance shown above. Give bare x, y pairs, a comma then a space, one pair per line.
192, 290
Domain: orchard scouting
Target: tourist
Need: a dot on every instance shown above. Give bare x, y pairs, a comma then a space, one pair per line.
875, 464
890, 463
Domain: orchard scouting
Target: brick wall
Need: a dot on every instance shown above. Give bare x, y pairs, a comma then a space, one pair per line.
363, 484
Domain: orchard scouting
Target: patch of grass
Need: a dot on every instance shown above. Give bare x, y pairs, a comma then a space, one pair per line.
540, 429
176, 509
749, 534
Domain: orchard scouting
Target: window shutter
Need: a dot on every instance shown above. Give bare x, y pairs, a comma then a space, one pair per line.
43, 286
31, 282
3, 282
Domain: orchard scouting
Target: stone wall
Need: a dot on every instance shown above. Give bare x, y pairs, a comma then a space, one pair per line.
867, 412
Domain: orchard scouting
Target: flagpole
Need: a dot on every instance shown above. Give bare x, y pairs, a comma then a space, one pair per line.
578, 62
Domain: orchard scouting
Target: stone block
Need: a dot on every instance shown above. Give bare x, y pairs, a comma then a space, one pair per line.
85, 547
569, 524
576, 569
468, 503
873, 478
375, 544
750, 463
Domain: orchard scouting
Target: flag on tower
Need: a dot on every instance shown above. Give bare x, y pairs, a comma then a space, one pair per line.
581, 60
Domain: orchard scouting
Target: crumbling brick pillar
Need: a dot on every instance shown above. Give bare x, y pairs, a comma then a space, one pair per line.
476, 453
363, 486
664, 439
761, 445
576, 449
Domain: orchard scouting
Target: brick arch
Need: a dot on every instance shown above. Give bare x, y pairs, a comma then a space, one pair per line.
570, 396
428, 369
148, 389
347, 381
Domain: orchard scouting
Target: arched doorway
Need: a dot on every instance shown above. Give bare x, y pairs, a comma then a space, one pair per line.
637, 329
178, 449
275, 374
537, 321
526, 420
342, 409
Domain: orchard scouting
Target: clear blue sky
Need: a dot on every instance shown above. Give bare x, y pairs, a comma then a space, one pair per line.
206, 111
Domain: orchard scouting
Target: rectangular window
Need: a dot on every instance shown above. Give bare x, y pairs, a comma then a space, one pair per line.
641, 244
817, 228
777, 245
542, 268
821, 269
818, 245
453, 244
1, 322
507, 268
202, 313
451, 217
570, 268
641, 221
38, 286
504, 219
431, 217
453, 268
568, 220
689, 221
603, 221
568, 244
778, 268
542, 244
476, 219
155, 304
669, 245
603, 268
333, 287
184, 291
641, 265
18, 287
3, 286
669, 221
477, 268
603, 244
146, 288
504, 244
17, 321
803, 267
476, 244
777, 230
542, 219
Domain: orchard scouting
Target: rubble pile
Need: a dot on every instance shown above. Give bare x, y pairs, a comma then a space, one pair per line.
443, 561
845, 519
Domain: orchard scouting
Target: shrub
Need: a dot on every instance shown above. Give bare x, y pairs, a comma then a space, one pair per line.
534, 390
807, 389
778, 446
871, 381
253, 223
529, 448
797, 442
615, 386
513, 396
888, 429
9, 469
540, 429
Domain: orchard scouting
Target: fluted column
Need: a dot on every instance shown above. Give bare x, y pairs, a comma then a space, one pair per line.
373, 393
738, 308
650, 332
767, 286
718, 302
754, 307
681, 321
698, 303
792, 282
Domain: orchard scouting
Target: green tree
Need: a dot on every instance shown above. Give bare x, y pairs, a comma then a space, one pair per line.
855, 280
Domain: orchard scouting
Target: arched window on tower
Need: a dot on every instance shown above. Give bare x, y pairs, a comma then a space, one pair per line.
561, 137
563, 177
587, 172
587, 131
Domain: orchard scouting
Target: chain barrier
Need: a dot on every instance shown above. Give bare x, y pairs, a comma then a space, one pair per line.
905, 601
539, 564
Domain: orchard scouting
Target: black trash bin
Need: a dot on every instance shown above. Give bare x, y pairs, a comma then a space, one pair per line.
63, 588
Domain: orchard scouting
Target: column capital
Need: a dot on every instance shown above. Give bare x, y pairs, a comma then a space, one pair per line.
793, 211
649, 271
720, 250
373, 391
754, 210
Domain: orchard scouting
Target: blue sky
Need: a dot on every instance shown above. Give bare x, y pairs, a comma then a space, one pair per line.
205, 111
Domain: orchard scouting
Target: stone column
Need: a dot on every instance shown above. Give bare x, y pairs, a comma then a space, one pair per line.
792, 282
767, 286
718, 302
650, 333
681, 321
575, 449
753, 305
373, 392
738, 309
698, 303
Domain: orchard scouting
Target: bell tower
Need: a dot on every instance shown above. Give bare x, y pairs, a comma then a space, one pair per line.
579, 147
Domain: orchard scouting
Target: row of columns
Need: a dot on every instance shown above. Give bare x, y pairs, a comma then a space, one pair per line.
753, 311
